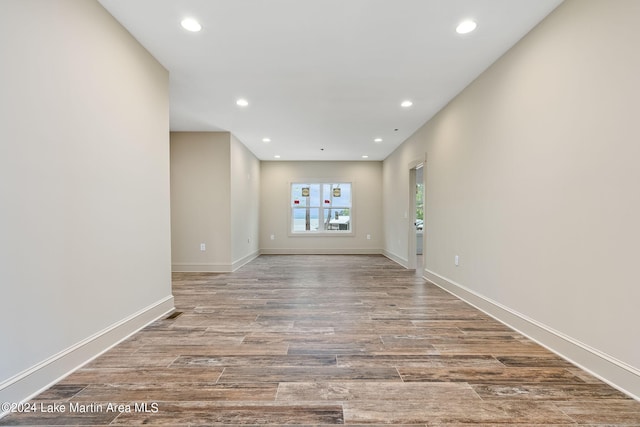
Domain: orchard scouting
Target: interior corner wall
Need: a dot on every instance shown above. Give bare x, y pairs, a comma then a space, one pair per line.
245, 204
201, 201
532, 179
276, 177
84, 184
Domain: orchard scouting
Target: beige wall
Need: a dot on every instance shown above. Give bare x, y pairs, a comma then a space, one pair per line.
245, 203
396, 211
276, 178
200, 207
214, 200
84, 188
532, 179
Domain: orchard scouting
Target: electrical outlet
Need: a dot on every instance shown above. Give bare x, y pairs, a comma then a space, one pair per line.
368, 236
203, 247
273, 237
456, 260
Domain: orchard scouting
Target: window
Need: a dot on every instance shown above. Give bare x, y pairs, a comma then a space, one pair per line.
321, 208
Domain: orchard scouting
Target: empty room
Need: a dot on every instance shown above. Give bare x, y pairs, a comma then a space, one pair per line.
319, 212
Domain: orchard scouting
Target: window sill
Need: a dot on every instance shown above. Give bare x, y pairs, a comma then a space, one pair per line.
322, 234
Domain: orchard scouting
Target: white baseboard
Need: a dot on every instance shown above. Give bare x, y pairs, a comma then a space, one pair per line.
193, 267
40, 377
320, 251
616, 373
396, 258
244, 260
187, 267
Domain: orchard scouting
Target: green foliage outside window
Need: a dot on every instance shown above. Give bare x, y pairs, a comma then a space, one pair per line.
420, 201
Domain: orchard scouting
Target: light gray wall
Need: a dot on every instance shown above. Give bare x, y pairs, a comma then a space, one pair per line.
276, 178
84, 188
532, 179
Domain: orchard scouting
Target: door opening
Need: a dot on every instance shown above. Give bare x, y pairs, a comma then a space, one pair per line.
416, 217
419, 222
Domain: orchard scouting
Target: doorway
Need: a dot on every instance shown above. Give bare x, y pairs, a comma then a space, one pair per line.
416, 224
419, 216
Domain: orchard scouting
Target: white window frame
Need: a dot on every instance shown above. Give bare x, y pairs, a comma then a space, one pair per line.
320, 210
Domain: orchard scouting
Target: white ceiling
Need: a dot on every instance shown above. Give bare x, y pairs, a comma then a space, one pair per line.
321, 74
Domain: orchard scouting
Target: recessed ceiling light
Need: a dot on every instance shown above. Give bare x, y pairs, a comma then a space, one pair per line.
406, 104
266, 139
466, 26
191, 24
277, 156
242, 102
365, 157
377, 140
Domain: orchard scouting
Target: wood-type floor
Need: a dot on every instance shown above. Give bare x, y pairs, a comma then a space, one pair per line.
313, 340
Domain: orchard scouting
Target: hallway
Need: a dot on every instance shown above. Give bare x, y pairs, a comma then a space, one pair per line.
327, 339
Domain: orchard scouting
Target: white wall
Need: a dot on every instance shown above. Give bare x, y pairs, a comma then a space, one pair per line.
276, 178
245, 204
84, 188
532, 179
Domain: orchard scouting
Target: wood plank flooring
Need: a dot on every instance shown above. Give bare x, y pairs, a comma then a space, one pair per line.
313, 340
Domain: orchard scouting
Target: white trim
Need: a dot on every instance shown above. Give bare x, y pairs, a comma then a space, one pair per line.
321, 232
320, 251
614, 372
396, 258
188, 267
245, 260
43, 375
330, 233
203, 267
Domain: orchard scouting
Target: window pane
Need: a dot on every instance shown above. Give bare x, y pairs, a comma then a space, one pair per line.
305, 219
338, 194
305, 195
321, 207
337, 219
